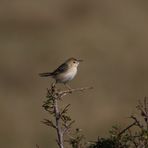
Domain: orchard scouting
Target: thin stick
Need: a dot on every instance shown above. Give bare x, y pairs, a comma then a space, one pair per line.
127, 128
58, 129
69, 91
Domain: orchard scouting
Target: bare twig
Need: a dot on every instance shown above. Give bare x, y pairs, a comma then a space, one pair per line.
69, 91
137, 122
127, 128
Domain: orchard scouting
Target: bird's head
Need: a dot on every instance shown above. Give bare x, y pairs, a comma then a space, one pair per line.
73, 62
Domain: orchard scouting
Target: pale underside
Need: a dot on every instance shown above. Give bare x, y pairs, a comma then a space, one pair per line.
66, 76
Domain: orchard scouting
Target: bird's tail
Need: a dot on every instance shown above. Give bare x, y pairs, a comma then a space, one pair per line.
46, 74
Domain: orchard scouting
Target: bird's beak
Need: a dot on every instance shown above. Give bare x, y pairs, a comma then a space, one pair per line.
80, 60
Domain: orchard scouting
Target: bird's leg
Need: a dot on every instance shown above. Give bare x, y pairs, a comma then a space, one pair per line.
67, 86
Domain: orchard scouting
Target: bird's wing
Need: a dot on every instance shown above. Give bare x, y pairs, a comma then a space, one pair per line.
62, 68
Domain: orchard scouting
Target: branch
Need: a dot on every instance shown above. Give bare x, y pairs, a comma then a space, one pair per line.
127, 128
137, 122
62, 122
66, 92
67, 127
132, 138
58, 125
65, 109
49, 123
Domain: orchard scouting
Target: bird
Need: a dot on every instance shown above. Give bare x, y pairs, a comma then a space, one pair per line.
65, 72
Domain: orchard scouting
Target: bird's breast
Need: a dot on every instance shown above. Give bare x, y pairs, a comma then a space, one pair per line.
67, 75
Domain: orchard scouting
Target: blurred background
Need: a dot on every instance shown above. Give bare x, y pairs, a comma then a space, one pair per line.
38, 35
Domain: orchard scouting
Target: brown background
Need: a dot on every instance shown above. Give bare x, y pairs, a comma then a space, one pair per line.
38, 35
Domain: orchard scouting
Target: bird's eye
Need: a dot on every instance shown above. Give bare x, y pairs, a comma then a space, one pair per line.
74, 62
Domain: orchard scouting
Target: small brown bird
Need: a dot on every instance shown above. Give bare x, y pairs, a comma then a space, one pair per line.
65, 72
